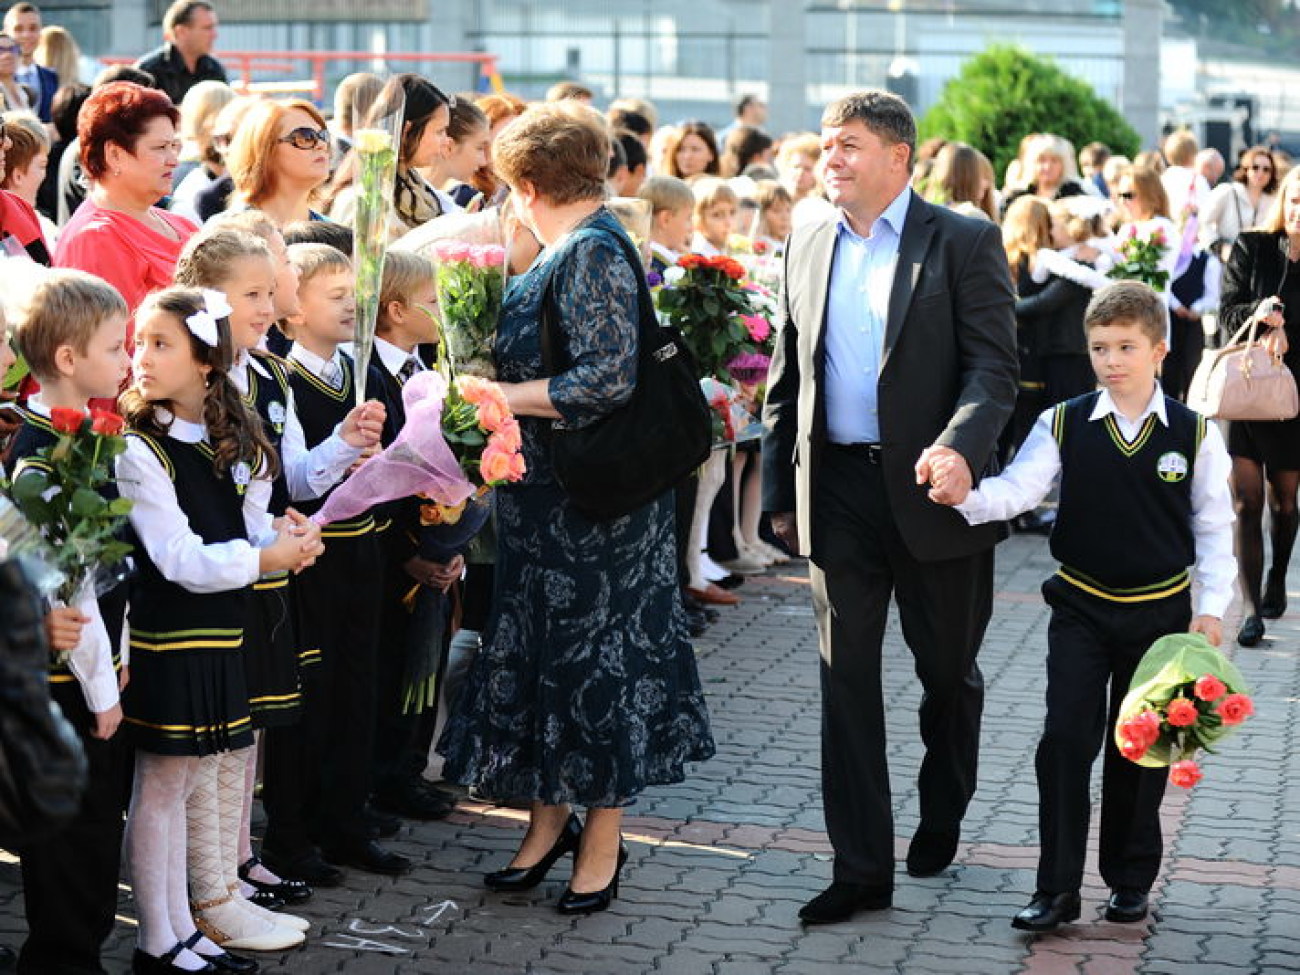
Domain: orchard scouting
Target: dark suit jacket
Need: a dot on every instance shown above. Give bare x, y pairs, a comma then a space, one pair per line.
948, 375
48, 85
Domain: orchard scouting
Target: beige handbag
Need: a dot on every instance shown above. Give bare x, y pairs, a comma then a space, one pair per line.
1243, 382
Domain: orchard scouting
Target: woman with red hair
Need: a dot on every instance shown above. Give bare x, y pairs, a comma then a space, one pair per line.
129, 150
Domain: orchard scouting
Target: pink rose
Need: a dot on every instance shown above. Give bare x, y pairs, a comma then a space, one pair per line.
1210, 688
492, 414
758, 327
1235, 708
1158, 237
494, 255
495, 465
508, 435
1184, 774
478, 256
518, 467
473, 389
1181, 713
455, 250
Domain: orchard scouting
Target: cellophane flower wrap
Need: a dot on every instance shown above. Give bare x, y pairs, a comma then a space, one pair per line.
1140, 258
376, 149
418, 461
58, 490
1185, 696
717, 314
470, 281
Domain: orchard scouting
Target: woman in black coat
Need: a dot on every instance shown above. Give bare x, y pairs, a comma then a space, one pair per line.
1261, 272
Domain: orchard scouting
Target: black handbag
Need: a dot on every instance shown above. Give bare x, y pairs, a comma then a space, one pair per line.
42, 763
635, 453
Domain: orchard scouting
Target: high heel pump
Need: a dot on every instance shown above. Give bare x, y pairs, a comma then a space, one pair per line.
526, 878
571, 902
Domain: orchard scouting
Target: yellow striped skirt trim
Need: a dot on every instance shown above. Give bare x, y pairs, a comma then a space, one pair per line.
188, 730
1141, 594
307, 658
278, 581
187, 640
272, 701
349, 529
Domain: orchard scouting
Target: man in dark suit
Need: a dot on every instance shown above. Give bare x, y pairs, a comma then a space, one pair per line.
895, 366
23, 23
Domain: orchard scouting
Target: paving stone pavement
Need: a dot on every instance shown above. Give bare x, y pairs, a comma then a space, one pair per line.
720, 864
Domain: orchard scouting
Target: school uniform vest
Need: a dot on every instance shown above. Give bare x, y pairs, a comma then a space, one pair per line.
37, 434
1124, 525
163, 613
269, 399
320, 409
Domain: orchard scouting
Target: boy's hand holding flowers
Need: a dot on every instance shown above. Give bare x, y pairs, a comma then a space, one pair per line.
1211, 627
363, 425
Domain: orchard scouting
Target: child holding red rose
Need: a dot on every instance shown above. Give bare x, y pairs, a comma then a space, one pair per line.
1144, 494
72, 334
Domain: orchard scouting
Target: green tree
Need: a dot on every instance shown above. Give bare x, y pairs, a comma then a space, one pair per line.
1007, 93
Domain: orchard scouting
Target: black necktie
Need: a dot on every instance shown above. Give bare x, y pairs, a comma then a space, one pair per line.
408, 370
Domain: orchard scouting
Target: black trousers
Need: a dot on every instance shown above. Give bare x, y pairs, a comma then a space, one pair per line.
1093, 647
858, 561
395, 761
70, 879
1186, 343
318, 773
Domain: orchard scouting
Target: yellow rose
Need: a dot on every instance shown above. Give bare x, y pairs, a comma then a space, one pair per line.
371, 141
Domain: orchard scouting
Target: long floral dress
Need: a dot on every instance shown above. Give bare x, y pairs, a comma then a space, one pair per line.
585, 691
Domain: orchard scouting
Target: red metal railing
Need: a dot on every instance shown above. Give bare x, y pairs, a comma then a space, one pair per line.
245, 63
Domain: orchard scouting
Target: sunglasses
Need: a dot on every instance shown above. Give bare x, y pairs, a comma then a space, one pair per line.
305, 138
1257, 168
9, 49
1127, 195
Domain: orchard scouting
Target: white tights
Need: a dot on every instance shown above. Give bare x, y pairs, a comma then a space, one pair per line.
712, 476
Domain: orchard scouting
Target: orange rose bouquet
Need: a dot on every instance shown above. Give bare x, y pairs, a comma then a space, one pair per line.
1185, 696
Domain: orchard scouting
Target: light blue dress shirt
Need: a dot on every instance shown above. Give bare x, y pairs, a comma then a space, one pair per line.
857, 309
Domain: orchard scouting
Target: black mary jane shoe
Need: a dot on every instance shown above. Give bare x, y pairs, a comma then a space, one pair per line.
222, 961
1047, 912
526, 878
571, 902
286, 891
143, 963
1251, 632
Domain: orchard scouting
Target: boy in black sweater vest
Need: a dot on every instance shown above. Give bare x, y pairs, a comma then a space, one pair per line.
73, 335
1144, 495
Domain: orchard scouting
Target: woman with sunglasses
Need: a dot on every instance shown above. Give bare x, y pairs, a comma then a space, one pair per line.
424, 142
1142, 209
279, 159
15, 94
129, 148
1241, 203
1261, 282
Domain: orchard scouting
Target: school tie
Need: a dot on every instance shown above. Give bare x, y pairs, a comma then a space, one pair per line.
409, 368
332, 374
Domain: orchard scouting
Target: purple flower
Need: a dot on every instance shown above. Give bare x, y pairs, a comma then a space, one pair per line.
654, 279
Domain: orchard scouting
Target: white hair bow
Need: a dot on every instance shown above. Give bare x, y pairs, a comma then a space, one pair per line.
203, 324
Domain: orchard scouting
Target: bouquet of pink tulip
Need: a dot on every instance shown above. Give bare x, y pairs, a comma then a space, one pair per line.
470, 279
1185, 696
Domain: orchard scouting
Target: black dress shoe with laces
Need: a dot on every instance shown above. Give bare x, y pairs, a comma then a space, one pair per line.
369, 856
841, 900
1251, 632
1047, 912
1127, 905
931, 851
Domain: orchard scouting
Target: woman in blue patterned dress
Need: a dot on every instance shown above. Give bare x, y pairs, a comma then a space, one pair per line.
586, 690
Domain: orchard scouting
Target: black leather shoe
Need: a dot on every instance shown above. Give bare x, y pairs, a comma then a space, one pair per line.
146, 964
266, 900
286, 891
226, 962
931, 851
309, 868
732, 581
412, 802
1273, 605
840, 901
369, 856
1251, 632
1047, 912
380, 825
526, 878
571, 902
1127, 905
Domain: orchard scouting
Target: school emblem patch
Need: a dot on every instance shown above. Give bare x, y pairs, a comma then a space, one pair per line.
1171, 467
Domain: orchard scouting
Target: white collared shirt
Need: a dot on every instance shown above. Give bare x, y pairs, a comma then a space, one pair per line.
318, 367
394, 358
180, 554
308, 473
1026, 482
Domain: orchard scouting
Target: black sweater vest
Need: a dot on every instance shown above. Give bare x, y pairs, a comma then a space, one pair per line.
1124, 527
164, 615
269, 399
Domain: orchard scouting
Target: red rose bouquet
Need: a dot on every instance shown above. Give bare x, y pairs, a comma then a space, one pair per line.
58, 490
1185, 696
717, 314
